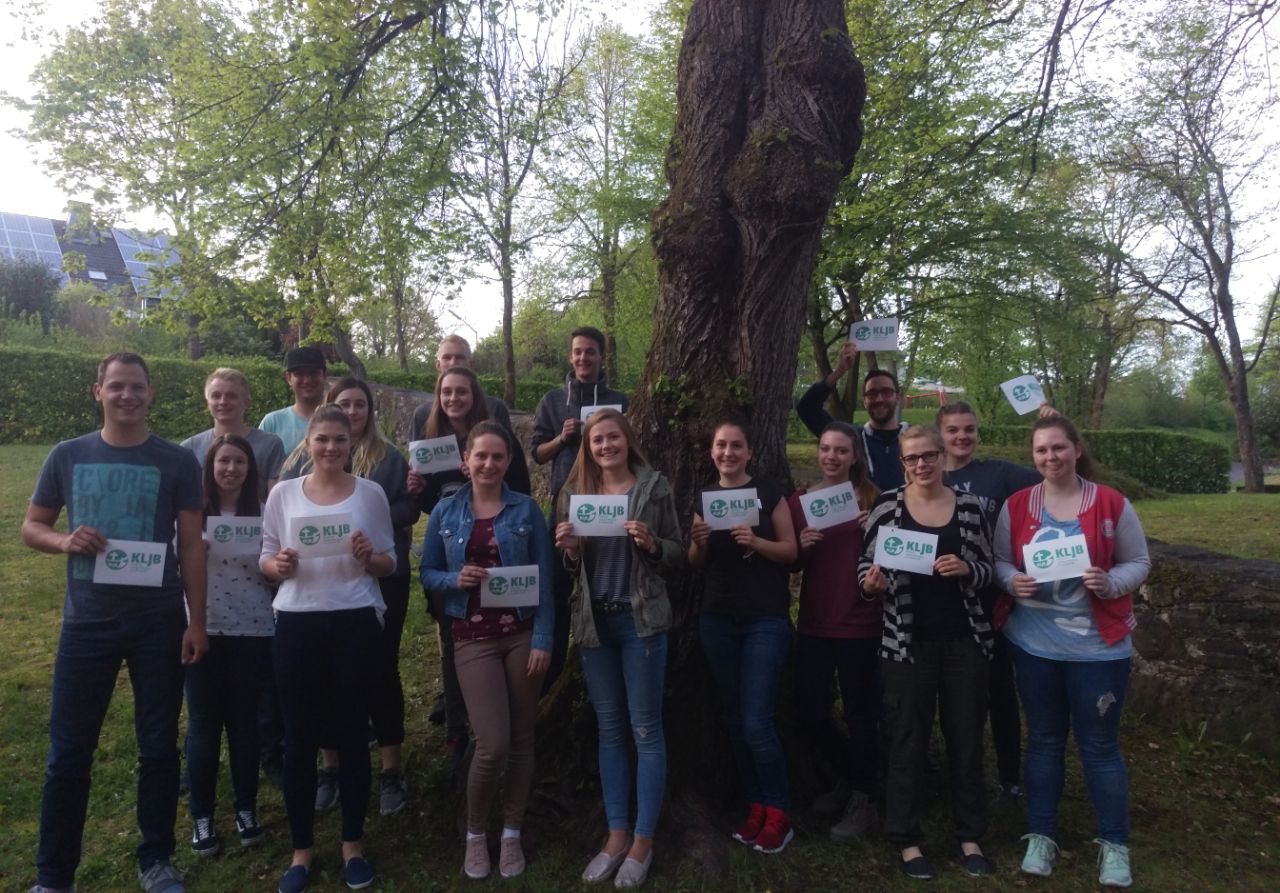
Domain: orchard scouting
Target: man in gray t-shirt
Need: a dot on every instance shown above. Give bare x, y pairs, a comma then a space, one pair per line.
129, 497
226, 391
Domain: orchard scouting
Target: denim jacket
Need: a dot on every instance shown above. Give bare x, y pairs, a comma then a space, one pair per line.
654, 503
522, 538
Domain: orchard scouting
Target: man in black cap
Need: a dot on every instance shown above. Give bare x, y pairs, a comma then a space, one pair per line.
305, 372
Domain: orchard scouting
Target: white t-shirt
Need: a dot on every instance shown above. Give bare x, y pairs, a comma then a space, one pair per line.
334, 582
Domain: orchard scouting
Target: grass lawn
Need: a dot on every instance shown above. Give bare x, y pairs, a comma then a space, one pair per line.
1243, 524
1206, 817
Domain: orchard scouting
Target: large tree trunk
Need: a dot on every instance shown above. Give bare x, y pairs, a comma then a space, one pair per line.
769, 98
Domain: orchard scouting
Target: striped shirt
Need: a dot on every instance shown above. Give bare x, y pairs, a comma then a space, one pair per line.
975, 550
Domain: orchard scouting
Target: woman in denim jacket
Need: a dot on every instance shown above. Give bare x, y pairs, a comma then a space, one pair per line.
620, 616
500, 652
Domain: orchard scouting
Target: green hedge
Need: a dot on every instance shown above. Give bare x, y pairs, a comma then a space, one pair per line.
1165, 460
46, 395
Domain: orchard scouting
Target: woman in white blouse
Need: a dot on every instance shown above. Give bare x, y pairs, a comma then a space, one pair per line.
327, 538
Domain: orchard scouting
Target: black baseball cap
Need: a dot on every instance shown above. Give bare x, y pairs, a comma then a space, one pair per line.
300, 358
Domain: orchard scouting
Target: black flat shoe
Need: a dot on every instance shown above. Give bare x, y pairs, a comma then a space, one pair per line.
919, 868
975, 864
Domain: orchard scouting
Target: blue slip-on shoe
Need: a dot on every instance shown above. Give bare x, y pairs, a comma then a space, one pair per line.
357, 872
295, 879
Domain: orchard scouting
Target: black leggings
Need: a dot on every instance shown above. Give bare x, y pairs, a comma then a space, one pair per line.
326, 664
386, 700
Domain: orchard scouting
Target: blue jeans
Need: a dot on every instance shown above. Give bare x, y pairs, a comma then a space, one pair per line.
84, 676
746, 656
1089, 696
223, 690
624, 679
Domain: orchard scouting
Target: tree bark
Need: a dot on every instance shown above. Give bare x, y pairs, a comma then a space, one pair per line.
347, 353
767, 125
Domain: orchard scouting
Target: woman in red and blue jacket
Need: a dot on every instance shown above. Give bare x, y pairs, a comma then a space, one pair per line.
1070, 640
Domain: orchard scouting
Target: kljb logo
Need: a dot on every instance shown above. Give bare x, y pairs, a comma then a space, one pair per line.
586, 513
497, 586
862, 333
309, 535
1042, 559
422, 455
818, 508
893, 546
222, 533
719, 508
1022, 393
117, 559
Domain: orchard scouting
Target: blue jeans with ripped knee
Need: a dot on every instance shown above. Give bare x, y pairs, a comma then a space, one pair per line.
624, 679
1088, 696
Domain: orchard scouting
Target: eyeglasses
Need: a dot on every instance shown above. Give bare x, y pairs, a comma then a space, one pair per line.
879, 393
927, 458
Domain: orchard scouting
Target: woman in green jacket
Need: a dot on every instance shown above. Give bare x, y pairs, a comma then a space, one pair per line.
620, 616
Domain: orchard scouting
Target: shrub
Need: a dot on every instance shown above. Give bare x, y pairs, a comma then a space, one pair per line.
1166, 460
46, 395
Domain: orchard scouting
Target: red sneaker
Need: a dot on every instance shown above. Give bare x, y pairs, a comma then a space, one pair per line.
750, 828
776, 833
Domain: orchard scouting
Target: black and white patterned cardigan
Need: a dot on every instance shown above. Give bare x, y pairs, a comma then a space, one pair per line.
975, 551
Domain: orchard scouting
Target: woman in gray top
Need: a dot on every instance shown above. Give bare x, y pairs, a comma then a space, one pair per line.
620, 617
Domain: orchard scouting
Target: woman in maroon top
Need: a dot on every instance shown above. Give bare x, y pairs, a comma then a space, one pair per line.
838, 633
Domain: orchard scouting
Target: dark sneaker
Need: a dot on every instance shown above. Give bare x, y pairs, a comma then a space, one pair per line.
919, 868
393, 793
161, 878
247, 825
860, 817
326, 789
204, 838
357, 872
776, 832
751, 825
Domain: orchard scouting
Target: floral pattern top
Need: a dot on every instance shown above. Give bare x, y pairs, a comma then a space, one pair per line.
486, 623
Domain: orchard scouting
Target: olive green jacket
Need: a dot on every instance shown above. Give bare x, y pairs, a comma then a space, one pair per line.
652, 502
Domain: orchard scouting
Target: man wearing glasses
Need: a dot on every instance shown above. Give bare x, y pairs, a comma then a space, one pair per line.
880, 434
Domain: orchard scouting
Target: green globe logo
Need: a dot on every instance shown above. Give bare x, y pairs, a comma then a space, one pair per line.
586, 513
1021, 393
309, 535
222, 533
893, 546
422, 455
497, 586
719, 508
862, 333
117, 558
818, 508
1042, 558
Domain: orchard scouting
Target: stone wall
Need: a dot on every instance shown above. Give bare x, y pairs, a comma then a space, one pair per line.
1207, 646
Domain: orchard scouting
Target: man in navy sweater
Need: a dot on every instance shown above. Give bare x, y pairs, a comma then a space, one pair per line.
879, 435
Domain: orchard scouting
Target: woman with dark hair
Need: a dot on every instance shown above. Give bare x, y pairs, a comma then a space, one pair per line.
837, 634
620, 617
375, 458
459, 405
745, 629
328, 640
223, 688
934, 650
1071, 641
500, 652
